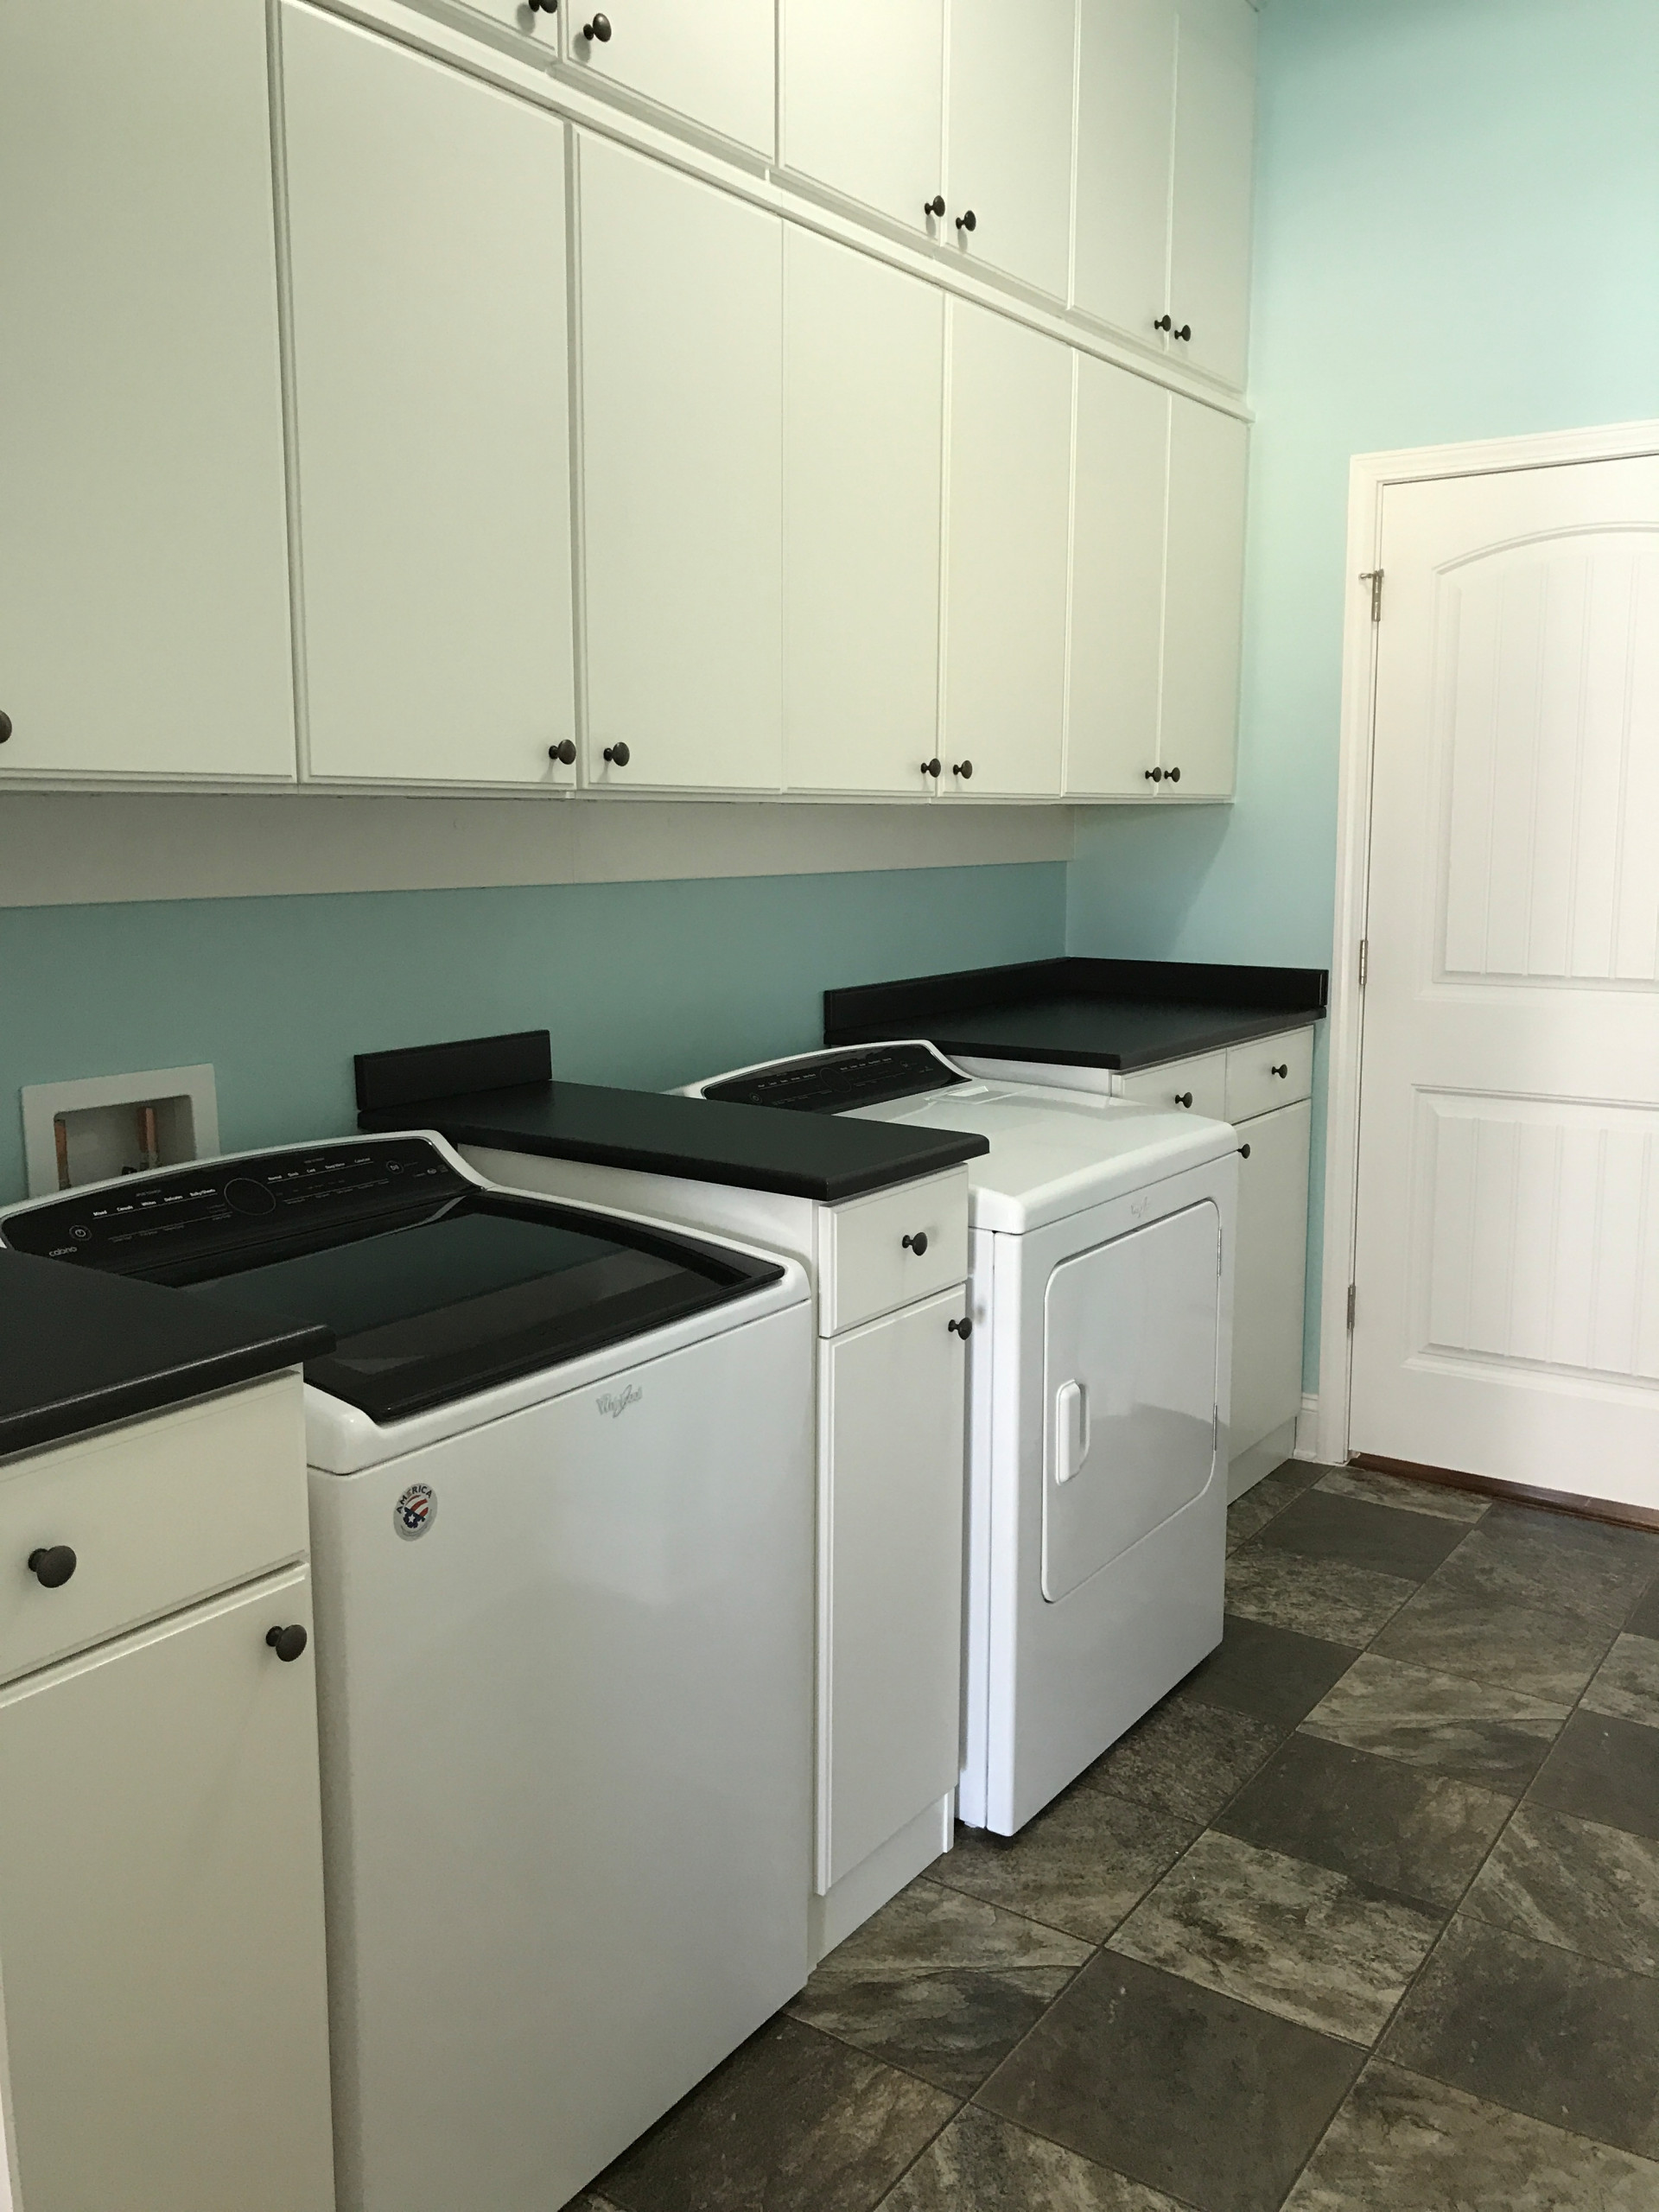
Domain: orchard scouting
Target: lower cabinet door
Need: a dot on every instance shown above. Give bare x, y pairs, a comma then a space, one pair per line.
1270, 1266
161, 1920
890, 1576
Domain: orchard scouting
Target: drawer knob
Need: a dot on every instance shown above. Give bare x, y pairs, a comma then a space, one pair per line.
51, 1565
5, 726
1183, 1098
1183, 333
935, 206
1173, 775
617, 756
600, 29
1283, 1069
969, 221
1155, 775
287, 1643
917, 1243
1163, 322
963, 1328
1243, 1151
565, 750
963, 768
932, 767
543, 7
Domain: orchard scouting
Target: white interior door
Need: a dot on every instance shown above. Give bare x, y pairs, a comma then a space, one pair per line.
426, 247
1204, 599
861, 93
713, 63
1008, 500
1133, 1330
1007, 127
143, 527
1507, 1308
1209, 197
864, 400
1125, 122
681, 410
1117, 582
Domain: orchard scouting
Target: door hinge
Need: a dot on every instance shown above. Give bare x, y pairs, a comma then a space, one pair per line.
1351, 1288
1364, 959
1374, 577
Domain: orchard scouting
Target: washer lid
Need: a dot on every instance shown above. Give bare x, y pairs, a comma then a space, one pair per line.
1055, 1153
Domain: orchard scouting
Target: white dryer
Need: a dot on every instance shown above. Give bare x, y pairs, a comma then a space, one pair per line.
1101, 1259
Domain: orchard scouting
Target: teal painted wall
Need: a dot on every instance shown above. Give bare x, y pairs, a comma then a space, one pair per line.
1457, 238
649, 984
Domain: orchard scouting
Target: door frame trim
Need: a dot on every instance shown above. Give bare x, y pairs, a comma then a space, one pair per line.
1369, 475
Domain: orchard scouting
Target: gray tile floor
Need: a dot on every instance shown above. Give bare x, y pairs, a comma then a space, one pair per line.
1365, 1915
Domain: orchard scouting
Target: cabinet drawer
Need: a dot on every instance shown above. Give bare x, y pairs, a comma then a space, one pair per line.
1200, 1083
158, 1514
1273, 1071
866, 1268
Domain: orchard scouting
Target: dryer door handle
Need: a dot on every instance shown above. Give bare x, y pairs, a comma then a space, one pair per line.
1071, 1430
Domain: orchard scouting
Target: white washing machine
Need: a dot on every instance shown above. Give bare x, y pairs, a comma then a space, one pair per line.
561, 1511
1101, 1282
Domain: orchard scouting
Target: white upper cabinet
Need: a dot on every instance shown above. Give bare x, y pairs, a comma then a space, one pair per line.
1165, 126
712, 61
1126, 122
1203, 599
682, 414
862, 88
1122, 468
864, 381
1209, 198
426, 241
1009, 137
1007, 501
143, 551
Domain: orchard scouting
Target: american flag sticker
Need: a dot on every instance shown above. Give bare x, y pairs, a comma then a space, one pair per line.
415, 1512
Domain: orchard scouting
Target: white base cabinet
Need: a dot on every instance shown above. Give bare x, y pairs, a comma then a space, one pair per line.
431, 402
161, 1953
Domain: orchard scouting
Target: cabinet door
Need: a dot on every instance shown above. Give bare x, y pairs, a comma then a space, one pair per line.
863, 86
143, 558
1117, 582
713, 63
1009, 137
1270, 1266
864, 378
1126, 121
1203, 596
1210, 207
161, 1920
890, 1565
682, 352
426, 244
1008, 504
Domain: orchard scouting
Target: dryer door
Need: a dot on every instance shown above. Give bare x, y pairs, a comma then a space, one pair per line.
1131, 1338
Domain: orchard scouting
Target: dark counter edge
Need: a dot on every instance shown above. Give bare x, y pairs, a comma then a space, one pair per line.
696, 1140
1249, 1001
198, 1348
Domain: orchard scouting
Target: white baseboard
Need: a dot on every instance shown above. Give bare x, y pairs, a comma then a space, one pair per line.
1307, 1427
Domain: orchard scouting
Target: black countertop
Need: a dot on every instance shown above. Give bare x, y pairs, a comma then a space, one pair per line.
825, 1157
1079, 1013
80, 1349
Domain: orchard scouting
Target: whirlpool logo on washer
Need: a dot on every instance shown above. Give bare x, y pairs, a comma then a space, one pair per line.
614, 1403
415, 1512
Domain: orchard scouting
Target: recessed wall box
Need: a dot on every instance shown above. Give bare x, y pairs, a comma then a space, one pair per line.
109, 1125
